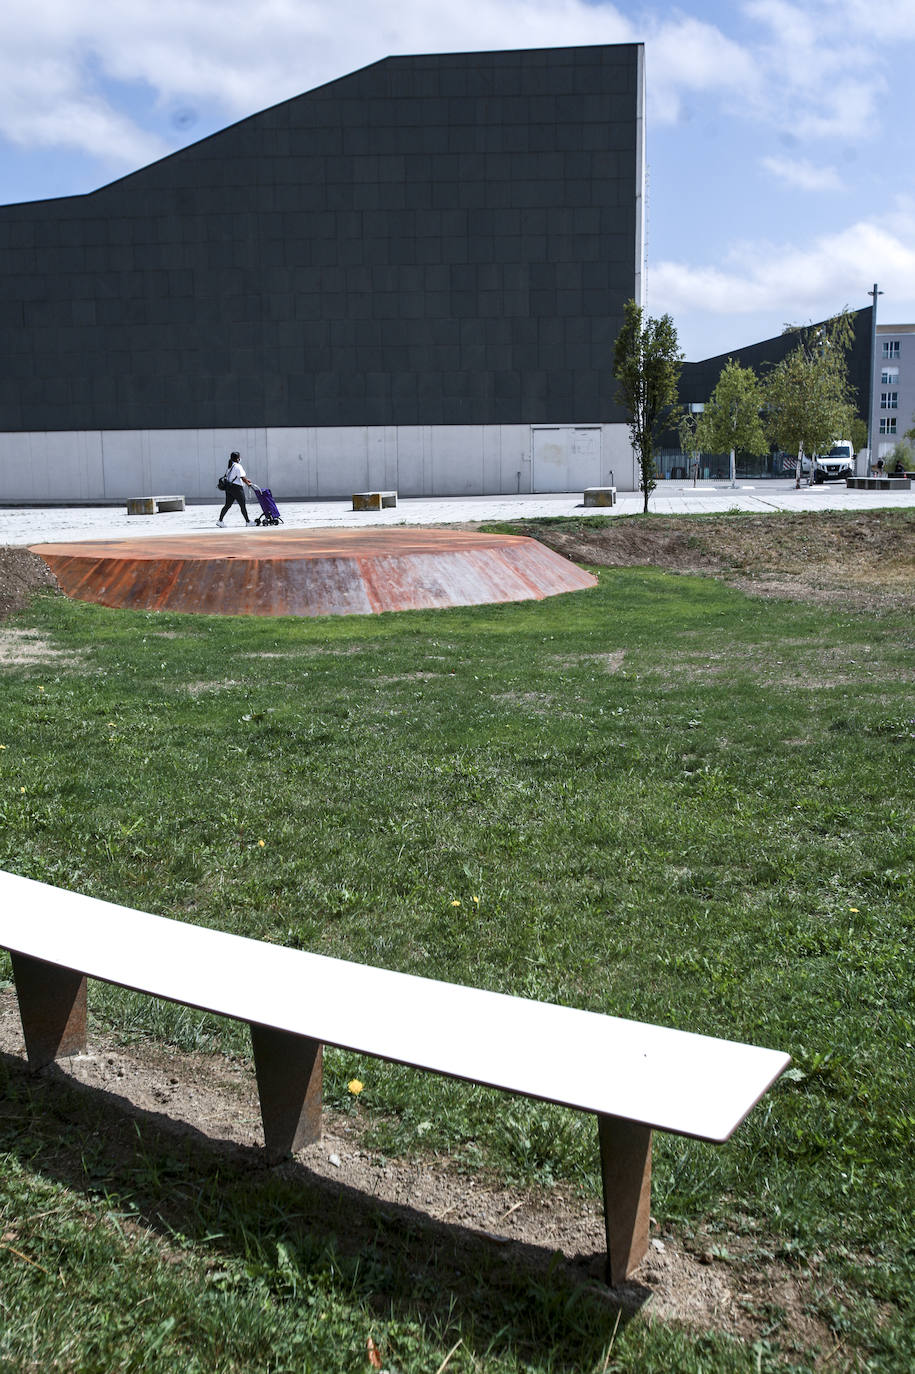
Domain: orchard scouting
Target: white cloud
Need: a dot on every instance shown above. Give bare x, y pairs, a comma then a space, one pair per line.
813, 70
239, 57
854, 19
787, 282
809, 176
821, 80
233, 58
686, 56
44, 102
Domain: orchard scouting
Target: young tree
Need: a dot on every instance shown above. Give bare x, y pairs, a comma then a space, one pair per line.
858, 433
808, 401
731, 419
686, 432
646, 364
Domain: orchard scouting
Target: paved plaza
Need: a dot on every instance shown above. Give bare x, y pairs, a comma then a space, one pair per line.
19, 525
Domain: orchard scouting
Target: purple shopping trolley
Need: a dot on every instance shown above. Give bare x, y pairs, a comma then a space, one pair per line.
270, 514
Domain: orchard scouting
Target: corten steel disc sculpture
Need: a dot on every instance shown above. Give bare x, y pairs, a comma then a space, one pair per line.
314, 572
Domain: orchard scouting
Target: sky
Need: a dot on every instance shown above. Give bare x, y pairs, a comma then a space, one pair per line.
780, 135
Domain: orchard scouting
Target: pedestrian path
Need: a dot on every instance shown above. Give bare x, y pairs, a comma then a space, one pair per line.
55, 523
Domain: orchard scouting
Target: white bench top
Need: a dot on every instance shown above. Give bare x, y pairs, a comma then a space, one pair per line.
672, 1080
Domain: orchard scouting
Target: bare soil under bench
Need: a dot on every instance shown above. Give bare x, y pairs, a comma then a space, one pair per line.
453, 1223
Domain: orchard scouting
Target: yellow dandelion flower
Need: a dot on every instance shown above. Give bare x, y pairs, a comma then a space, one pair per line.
22, 789
854, 909
455, 902
261, 843
355, 1086
475, 900
41, 689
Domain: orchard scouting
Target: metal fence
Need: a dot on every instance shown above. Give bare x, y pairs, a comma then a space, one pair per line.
674, 465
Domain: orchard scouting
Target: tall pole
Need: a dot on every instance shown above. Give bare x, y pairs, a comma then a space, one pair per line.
872, 389
732, 461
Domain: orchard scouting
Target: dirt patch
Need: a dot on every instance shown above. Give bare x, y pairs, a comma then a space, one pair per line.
24, 647
428, 1202
199, 689
610, 662
862, 559
22, 574
421, 675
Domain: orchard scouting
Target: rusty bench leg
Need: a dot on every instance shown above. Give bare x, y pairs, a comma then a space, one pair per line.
625, 1161
289, 1079
52, 1006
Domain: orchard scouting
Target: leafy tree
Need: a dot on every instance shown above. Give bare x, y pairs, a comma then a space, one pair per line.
646, 365
731, 419
808, 400
858, 433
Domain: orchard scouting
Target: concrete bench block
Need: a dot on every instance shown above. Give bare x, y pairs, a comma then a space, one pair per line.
141, 505
600, 496
374, 500
169, 503
879, 483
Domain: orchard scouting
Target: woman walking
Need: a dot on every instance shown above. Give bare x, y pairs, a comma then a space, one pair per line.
235, 475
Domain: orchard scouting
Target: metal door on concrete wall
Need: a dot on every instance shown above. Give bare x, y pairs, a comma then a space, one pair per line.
566, 457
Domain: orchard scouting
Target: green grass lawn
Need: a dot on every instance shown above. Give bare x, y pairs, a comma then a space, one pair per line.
660, 799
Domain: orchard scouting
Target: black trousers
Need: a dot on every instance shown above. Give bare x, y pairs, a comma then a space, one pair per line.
235, 492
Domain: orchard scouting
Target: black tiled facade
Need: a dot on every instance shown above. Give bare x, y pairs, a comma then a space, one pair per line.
431, 240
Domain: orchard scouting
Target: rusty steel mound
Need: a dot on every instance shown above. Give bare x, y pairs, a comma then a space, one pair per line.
315, 572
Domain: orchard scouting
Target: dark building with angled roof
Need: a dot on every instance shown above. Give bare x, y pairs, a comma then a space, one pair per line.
411, 277
698, 380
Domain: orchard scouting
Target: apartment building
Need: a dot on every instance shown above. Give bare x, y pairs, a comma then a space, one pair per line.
894, 386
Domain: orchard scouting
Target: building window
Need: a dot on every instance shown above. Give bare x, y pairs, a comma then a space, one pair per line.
888, 426
891, 348
889, 400
889, 376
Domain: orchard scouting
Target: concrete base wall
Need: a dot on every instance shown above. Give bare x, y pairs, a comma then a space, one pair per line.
85, 467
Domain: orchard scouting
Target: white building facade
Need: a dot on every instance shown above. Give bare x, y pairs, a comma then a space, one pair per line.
894, 387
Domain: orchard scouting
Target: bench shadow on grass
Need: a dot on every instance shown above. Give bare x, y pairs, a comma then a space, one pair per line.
500, 1297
